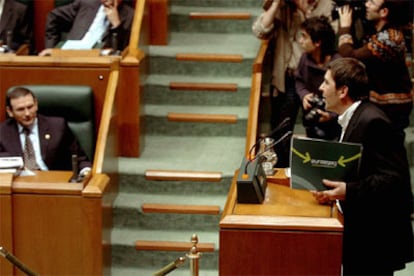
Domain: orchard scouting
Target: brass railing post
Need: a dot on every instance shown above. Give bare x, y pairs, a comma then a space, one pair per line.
194, 256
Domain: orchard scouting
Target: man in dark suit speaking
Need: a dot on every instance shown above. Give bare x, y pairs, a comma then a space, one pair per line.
376, 202
90, 20
44, 142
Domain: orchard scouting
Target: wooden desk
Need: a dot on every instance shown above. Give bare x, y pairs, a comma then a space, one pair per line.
288, 234
54, 227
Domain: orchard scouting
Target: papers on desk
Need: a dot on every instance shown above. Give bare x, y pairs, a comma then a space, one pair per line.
12, 164
77, 45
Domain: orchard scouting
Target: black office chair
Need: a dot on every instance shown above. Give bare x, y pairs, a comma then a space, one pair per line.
74, 103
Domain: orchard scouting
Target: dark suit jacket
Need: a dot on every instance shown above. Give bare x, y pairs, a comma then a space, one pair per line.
377, 229
76, 18
57, 142
16, 17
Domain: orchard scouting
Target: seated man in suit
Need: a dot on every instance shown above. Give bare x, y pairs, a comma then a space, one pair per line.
14, 23
89, 21
45, 143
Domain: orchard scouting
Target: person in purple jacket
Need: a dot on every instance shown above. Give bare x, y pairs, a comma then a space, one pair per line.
317, 39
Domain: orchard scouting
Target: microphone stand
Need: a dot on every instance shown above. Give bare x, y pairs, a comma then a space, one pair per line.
282, 125
16, 262
286, 135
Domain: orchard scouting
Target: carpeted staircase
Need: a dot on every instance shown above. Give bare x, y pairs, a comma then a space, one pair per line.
195, 106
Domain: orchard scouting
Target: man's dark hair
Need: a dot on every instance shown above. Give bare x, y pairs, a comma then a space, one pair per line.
350, 72
18, 92
320, 29
399, 12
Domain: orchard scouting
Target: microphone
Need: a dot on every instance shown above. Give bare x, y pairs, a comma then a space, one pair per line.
251, 180
75, 169
9, 41
286, 135
114, 44
280, 126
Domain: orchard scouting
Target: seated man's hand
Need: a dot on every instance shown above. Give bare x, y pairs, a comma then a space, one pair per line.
84, 172
111, 11
46, 52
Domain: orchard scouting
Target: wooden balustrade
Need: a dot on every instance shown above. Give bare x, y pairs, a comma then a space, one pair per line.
255, 96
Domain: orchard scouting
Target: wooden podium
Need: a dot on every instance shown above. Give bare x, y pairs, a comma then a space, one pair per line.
54, 227
288, 234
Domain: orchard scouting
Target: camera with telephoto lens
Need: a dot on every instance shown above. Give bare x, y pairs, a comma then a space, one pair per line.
357, 6
267, 3
312, 116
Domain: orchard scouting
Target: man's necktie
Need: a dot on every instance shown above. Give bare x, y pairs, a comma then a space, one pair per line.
29, 157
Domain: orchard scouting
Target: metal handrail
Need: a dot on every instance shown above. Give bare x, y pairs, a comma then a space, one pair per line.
193, 256
16, 262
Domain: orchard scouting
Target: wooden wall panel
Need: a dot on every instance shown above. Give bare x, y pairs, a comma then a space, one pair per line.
37, 220
6, 237
41, 9
250, 252
159, 22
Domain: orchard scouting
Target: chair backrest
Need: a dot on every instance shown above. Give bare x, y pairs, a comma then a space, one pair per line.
74, 103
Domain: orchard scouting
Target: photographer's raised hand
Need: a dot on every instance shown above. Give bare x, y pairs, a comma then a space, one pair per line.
269, 14
345, 16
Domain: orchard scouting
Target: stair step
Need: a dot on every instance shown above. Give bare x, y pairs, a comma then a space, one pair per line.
170, 175
217, 3
234, 19
209, 57
220, 15
231, 87
223, 154
180, 209
173, 246
209, 118
179, 94
195, 42
202, 65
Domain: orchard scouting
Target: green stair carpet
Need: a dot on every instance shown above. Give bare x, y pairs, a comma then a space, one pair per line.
188, 146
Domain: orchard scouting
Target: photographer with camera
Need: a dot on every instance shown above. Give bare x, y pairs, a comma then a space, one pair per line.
279, 23
359, 27
383, 53
317, 39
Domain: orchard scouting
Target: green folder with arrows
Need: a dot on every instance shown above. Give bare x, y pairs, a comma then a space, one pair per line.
312, 160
